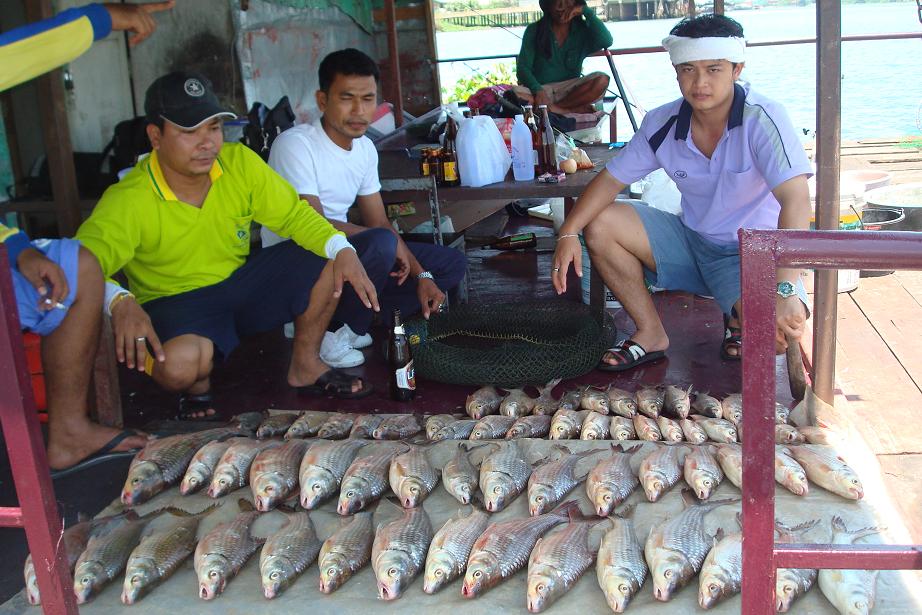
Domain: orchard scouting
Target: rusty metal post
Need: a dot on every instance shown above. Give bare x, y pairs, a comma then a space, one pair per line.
718, 7
828, 118
757, 277
393, 61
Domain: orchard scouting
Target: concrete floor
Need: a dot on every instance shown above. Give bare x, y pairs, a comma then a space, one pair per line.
358, 595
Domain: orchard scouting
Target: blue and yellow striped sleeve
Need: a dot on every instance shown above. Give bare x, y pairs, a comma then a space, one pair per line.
15, 241
37, 48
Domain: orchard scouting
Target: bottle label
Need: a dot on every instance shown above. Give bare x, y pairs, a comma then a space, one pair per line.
406, 377
425, 169
398, 330
449, 171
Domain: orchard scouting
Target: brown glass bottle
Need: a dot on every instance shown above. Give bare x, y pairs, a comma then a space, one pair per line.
535, 138
435, 164
424, 156
450, 176
400, 360
549, 143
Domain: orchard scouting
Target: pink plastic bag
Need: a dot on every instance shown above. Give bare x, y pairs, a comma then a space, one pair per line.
487, 96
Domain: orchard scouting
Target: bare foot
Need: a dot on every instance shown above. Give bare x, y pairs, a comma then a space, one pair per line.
651, 341
72, 444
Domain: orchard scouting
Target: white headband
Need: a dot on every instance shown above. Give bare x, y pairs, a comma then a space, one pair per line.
683, 49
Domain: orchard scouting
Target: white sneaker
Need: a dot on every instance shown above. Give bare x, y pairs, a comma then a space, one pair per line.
336, 351
356, 341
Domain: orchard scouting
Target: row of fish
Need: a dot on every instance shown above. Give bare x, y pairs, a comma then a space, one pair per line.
336, 426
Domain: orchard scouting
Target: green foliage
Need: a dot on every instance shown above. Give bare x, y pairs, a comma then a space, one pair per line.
465, 86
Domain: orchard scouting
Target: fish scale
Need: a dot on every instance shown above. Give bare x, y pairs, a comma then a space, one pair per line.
566, 424
287, 553
646, 428
366, 480
621, 569
825, 468
450, 548
721, 573
457, 430
850, 591
535, 426
730, 458
718, 430
551, 481
322, 469
621, 403
459, 475
556, 564
201, 467
693, 432
74, 540
336, 427
503, 476
595, 426
789, 473
545, 404
276, 425
702, 472
483, 401
233, 469
791, 583
705, 405
105, 556
274, 473
435, 423
306, 425
595, 399
365, 425
677, 401
223, 551
492, 427
400, 545
670, 430
412, 477
504, 547
650, 401
517, 403
622, 428
345, 552
660, 471
397, 427
612, 480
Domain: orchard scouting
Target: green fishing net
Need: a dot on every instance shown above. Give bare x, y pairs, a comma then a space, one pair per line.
510, 344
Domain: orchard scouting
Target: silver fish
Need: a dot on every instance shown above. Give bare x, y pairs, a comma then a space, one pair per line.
412, 477
450, 548
612, 480
398, 427
535, 426
274, 474
570, 400
650, 401
676, 548
677, 401
492, 427
792, 583
788, 434
233, 469
790, 474
595, 400
307, 425
436, 423
828, 470
545, 404
718, 430
105, 555
852, 592
721, 573
459, 475
345, 552
398, 553
503, 476
551, 481
671, 431
622, 429
517, 403
556, 563
693, 432
457, 430
622, 403
366, 479
731, 408
73, 540
595, 426
504, 547
364, 426
276, 425
202, 466
730, 457
566, 424
482, 402
702, 472
821, 435
661, 470
322, 469
223, 551
336, 427
705, 405
646, 428
287, 553
164, 461
621, 569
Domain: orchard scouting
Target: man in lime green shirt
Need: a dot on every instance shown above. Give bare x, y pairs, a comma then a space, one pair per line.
178, 226
550, 63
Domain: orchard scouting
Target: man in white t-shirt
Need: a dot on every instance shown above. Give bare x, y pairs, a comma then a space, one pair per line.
333, 165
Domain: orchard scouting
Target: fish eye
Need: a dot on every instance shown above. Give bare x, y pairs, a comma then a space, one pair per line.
414, 489
539, 498
497, 490
350, 494
668, 574
707, 482
438, 572
477, 574
623, 588
607, 497
855, 481
713, 588
392, 572
788, 589
135, 481
213, 574
331, 571
316, 487
275, 575
222, 482
540, 587
85, 581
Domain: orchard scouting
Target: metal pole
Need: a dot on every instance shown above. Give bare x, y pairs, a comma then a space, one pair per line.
828, 115
393, 52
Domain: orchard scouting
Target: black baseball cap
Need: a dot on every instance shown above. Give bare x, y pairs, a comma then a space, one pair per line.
185, 99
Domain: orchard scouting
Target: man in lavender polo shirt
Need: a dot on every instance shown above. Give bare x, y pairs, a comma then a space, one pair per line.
737, 162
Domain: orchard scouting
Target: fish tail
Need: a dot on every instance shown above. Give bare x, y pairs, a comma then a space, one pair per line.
569, 510
838, 524
627, 512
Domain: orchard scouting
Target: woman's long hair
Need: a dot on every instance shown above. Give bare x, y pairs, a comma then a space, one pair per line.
543, 32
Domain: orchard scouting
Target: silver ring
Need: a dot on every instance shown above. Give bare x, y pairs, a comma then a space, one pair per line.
140, 339
556, 268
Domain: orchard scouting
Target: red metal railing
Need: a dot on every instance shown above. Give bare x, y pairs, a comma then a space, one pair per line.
762, 252
38, 511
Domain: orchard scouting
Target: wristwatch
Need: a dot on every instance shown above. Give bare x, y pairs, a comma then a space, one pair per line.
424, 275
786, 289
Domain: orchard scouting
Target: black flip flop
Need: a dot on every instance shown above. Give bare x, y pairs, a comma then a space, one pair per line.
733, 337
105, 453
190, 404
629, 355
338, 384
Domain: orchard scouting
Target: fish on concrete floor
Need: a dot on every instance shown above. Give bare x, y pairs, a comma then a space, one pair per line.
792, 583
730, 457
595, 426
718, 430
307, 425
201, 467
457, 430
492, 427
274, 473
731, 408
570, 400
517, 403
398, 427
336, 427
552, 480
459, 476
534, 426
650, 401
366, 479
223, 551
702, 471
852, 592
364, 426
707, 405
621, 403
566, 424
621, 568
612, 480
287, 553
646, 428
595, 400
503, 476
545, 404
233, 469
106, 555
670, 430
437, 422
451, 547
828, 470
322, 469
676, 401
412, 477
398, 553
721, 573
276, 425
557, 562
345, 552
693, 432
788, 434
482, 402
661, 470
622, 428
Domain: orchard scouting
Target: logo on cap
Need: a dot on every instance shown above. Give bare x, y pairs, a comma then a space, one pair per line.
194, 87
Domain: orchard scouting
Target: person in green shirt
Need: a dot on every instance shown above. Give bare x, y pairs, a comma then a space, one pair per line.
550, 63
178, 226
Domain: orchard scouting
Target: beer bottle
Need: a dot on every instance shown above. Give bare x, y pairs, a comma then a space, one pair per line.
424, 162
435, 165
514, 242
400, 360
549, 141
535, 139
450, 155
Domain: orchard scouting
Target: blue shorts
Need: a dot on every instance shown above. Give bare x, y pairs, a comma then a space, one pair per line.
273, 287
687, 261
64, 252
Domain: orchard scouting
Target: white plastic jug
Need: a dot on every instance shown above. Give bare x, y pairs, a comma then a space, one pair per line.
482, 154
523, 165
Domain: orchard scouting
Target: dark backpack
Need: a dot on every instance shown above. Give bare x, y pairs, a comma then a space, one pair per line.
129, 141
266, 124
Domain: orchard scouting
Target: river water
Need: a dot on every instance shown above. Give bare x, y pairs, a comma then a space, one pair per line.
881, 81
